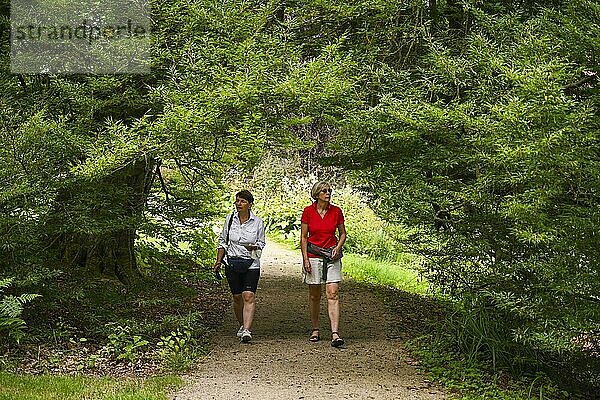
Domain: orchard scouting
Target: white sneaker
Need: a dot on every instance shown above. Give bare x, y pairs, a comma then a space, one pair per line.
240, 331
246, 336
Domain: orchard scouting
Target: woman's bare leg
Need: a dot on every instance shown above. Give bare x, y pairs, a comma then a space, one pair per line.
249, 308
314, 302
238, 308
333, 305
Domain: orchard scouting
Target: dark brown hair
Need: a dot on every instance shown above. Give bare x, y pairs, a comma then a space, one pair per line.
246, 195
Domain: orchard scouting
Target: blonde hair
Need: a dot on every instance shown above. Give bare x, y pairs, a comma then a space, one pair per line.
317, 187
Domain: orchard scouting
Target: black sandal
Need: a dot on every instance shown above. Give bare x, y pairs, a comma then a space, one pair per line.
337, 342
314, 337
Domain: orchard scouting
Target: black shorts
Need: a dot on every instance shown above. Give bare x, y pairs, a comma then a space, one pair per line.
242, 282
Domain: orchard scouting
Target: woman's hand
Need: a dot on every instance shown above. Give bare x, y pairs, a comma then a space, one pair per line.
335, 253
217, 266
251, 247
307, 267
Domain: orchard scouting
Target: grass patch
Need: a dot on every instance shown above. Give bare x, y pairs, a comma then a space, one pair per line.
397, 275
48, 387
289, 240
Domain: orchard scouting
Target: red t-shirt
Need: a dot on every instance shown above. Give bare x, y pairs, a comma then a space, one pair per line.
321, 230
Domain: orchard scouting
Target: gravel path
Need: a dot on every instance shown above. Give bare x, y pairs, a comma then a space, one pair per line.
280, 362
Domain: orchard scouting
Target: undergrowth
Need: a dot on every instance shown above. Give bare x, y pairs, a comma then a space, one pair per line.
98, 326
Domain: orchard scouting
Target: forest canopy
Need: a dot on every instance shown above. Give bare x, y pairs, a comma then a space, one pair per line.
476, 123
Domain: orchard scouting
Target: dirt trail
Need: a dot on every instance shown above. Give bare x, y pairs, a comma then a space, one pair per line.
280, 362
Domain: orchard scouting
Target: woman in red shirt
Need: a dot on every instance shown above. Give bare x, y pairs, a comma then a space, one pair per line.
320, 221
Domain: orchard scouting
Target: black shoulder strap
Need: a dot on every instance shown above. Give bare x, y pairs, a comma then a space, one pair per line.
229, 227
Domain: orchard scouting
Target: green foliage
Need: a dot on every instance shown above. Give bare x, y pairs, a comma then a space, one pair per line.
87, 160
178, 350
476, 381
102, 324
12, 326
481, 332
486, 145
175, 342
193, 245
370, 235
123, 345
121, 177
473, 123
282, 191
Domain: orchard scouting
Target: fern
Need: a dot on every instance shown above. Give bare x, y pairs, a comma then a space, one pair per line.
11, 308
4, 283
28, 297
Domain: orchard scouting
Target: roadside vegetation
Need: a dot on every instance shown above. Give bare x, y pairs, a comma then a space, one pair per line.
139, 339
461, 137
467, 352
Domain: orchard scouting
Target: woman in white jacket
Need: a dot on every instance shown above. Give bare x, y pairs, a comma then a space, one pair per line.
240, 245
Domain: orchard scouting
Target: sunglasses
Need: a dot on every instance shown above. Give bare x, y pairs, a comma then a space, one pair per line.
327, 190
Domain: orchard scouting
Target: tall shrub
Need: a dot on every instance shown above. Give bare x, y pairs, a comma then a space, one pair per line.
489, 144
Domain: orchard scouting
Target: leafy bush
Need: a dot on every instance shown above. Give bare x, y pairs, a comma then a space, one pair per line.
281, 197
160, 245
178, 350
175, 342
368, 234
490, 149
123, 345
11, 308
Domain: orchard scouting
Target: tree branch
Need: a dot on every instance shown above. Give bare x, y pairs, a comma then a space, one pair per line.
588, 78
162, 183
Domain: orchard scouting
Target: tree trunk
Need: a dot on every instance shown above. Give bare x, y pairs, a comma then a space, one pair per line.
455, 15
108, 251
434, 17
